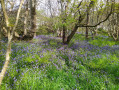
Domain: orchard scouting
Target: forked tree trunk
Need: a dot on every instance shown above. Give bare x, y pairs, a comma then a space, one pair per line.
71, 35
10, 36
9, 43
80, 20
64, 14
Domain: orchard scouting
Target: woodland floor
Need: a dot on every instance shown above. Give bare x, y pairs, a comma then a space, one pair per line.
46, 64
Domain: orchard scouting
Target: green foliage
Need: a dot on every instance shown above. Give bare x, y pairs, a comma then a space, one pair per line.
41, 60
42, 30
2, 53
36, 66
100, 41
12, 21
101, 31
53, 43
20, 25
103, 62
79, 37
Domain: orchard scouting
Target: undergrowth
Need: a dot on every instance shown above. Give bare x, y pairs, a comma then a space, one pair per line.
83, 65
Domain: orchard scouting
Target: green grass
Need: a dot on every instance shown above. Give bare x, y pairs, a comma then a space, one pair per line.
34, 66
100, 41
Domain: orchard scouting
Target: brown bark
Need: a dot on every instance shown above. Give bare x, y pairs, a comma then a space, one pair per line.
71, 35
60, 34
26, 18
33, 16
64, 33
64, 17
87, 21
80, 20
86, 32
0, 28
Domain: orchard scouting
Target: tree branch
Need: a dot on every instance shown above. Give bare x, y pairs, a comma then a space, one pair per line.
100, 21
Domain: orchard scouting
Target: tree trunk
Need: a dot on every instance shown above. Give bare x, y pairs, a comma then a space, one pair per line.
26, 18
0, 28
86, 32
10, 36
33, 16
64, 34
0, 35
87, 21
9, 43
0, 38
71, 35
8, 51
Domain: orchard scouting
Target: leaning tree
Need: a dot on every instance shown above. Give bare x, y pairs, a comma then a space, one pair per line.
78, 14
